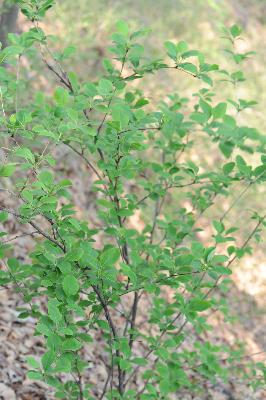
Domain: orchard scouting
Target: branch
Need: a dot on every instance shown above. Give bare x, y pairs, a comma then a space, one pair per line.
114, 333
19, 236
111, 99
241, 194
194, 182
90, 165
244, 245
106, 384
79, 383
35, 226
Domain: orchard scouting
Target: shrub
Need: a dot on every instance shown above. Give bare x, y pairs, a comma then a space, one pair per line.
96, 276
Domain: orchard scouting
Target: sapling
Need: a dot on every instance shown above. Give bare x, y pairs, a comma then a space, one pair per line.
147, 290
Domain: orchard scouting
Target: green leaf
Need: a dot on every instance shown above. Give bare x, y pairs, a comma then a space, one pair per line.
227, 148
206, 108
197, 249
219, 259
25, 153
90, 89
71, 345
165, 386
105, 203
162, 353
122, 28
199, 305
10, 51
139, 361
227, 168
65, 267
68, 52
64, 363
235, 31
121, 114
7, 170
219, 111
3, 216
47, 359
189, 67
43, 329
171, 50
73, 79
61, 96
140, 103
13, 264
127, 270
53, 311
103, 324
33, 362
70, 285
85, 337
124, 364
207, 79
240, 161
259, 171
219, 226
110, 256
105, 87
191, 53
222, 270
34, 375
46, 178
124, 347
41, 131
139, 33
182, 46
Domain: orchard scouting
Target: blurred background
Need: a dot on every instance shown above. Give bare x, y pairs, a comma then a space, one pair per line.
87, 25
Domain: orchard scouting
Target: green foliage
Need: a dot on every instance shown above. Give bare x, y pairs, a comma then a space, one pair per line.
123, 139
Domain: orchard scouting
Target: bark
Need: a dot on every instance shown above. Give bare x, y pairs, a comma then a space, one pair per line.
8, 20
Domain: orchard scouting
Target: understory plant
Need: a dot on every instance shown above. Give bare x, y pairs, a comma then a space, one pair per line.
138, 277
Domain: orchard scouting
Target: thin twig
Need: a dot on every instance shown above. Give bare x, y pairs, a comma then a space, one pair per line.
17, 81
244, 245
20, 236
241, 194
88, 162
114, 333
35, 226
2, 102
109, 374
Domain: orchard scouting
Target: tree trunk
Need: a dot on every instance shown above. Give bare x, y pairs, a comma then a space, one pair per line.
8, 20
